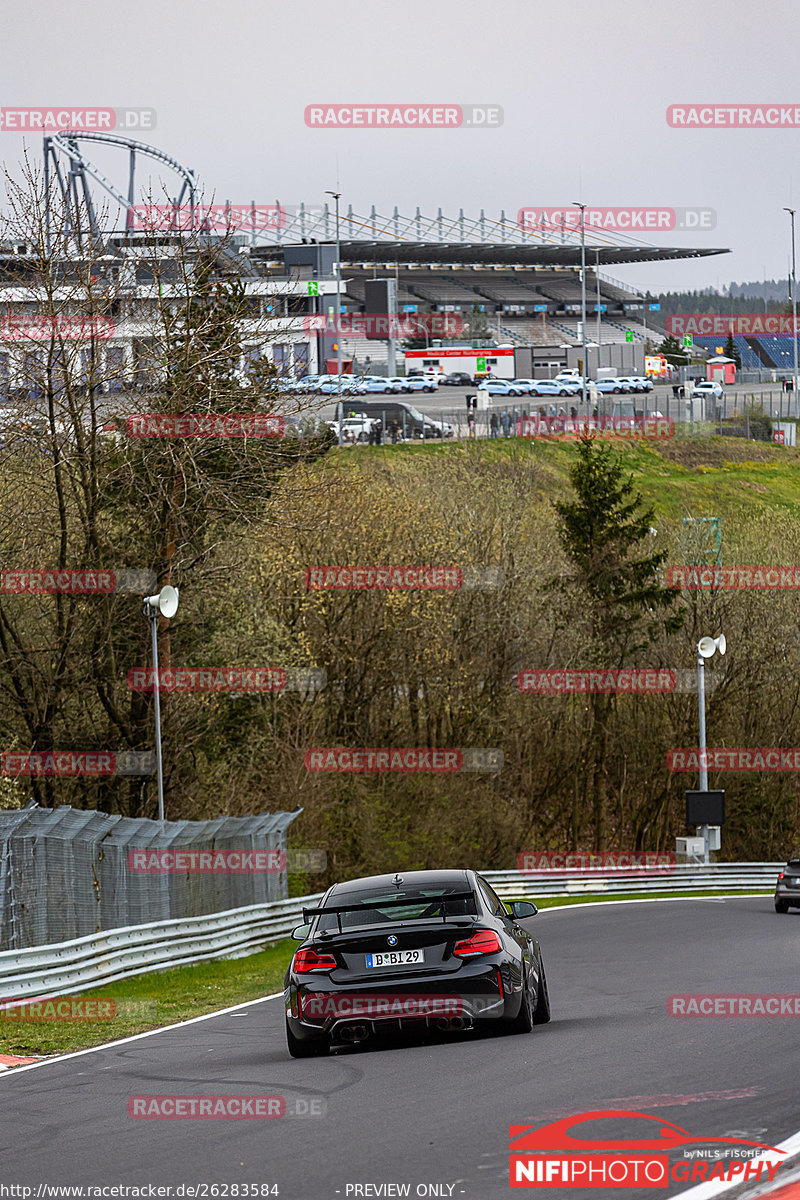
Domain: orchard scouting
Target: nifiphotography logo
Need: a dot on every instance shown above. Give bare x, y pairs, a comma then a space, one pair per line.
555, 1156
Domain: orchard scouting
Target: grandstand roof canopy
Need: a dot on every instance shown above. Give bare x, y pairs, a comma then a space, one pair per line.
514, 254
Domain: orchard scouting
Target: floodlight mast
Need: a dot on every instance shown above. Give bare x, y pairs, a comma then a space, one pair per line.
706, 648
164, 604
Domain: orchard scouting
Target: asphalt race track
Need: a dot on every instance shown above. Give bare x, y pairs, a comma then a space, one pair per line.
438, 1114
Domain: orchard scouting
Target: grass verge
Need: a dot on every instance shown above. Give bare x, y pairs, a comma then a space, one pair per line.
161, 998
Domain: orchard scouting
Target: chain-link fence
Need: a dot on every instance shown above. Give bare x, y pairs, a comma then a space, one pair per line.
67, 873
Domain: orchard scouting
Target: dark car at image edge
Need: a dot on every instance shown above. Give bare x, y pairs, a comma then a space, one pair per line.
787, 887
439, 947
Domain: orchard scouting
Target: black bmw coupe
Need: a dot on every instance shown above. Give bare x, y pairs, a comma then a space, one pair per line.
432, 947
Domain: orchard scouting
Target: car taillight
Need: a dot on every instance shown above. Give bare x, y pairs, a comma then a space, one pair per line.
309, 960
483, 941
781, 875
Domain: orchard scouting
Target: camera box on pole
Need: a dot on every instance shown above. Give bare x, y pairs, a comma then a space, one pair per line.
705, 808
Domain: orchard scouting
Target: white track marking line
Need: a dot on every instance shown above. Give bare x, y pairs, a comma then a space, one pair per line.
136, 1037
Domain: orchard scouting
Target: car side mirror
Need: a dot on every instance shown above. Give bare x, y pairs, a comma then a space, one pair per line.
301, 932
521, 908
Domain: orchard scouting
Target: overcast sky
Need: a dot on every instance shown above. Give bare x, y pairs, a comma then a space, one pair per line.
584, 89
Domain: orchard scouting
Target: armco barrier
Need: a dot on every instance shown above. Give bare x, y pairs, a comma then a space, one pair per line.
69, 967
716, 877
93, 961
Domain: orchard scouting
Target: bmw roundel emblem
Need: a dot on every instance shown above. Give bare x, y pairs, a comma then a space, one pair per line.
392, 940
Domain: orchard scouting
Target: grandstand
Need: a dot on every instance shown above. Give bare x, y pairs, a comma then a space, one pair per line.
756, 353
524, 287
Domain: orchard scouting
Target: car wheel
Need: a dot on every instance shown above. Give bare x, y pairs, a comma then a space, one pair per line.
541, 1014
362, 437
563, 393
617, 391
315, 1048
523, 1021
781, 906
429, 389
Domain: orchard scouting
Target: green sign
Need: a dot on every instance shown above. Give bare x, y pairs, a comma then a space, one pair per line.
481, 364
688, 341
313, 289
628, 335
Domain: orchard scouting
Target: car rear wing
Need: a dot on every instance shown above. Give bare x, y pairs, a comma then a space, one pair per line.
401, 902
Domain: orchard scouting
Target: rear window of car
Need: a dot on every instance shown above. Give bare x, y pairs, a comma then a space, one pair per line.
432, 903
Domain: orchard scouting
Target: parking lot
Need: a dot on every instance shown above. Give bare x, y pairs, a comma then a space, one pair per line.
450, 404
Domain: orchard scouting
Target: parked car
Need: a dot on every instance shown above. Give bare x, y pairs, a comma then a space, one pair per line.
499, 387
378, 383
606, 387
645, 381
400, 382
421, 383
457, 379
551, 387
354, 429
617, 386
707, 388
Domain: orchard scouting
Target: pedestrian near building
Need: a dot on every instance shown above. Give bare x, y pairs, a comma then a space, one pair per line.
494, 426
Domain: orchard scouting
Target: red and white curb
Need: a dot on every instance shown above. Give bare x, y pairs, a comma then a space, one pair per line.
12, 1060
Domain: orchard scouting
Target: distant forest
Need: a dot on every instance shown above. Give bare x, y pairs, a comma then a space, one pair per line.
771, 295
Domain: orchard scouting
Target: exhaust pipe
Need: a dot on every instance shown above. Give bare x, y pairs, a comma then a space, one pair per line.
354, 1033
453, 1024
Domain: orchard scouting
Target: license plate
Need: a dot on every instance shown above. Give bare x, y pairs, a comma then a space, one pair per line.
395, 958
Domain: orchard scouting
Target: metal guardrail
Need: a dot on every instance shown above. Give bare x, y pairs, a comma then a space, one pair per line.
689, 877
68, 967
65, 968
